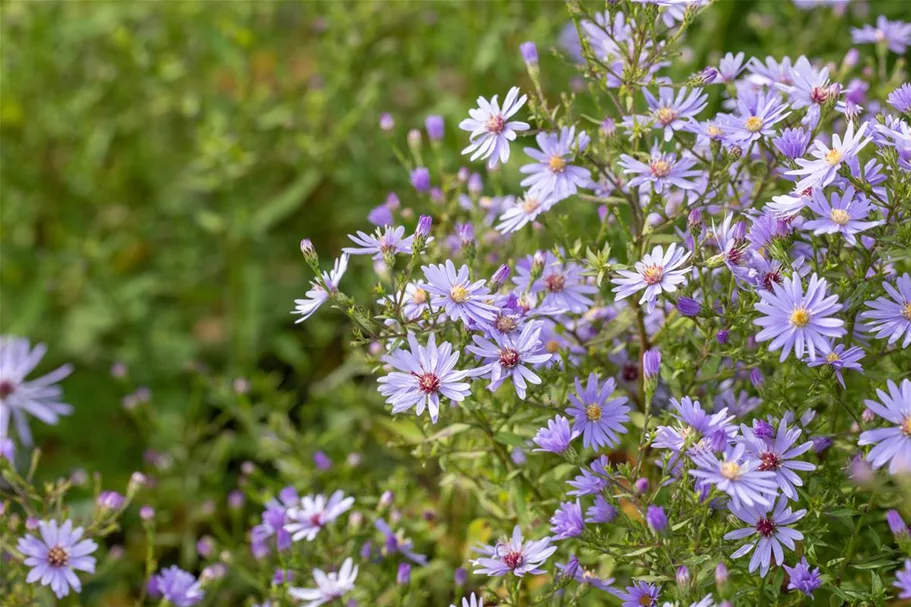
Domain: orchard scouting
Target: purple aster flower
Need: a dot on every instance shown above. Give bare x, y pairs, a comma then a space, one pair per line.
314, 513
598, 417
732, 246
329, 586
573, 569
776, 454
110, 500
770, 526
591, 481
730, 67
695, 427
562, 283
657, 272
737, 475
514, 556
656, 518
640, 594
397, 543
822, 171
555, 438
415, 301
380, 216
601, 512
520, 213
802, 578
810, 89
662, 171
792, 143
55, 554
567, 521
837, 357
671, 112
459, 297
794, 320
893, 444
900, 98
843, 214
755, 118
508, 356
176, 586
385, 241
40, 397
320, 290
490, 127
891, 316
552, 175
422, 376
769, 73
896, 35
903, 580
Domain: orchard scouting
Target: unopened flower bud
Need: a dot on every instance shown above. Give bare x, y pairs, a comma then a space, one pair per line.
322, 461
529, 54
722, 336
414, 140
109, 500
721, 575
499, 277
896, 524
147, 513
420, 179
461, 576
387, 122
386, 499
609, 127
475, 184
683, 576
403, 575
466, 235
641, 485
434, 126
656, 518
651, 363
689, 307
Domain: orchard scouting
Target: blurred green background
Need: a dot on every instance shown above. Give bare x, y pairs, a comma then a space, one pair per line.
161, 162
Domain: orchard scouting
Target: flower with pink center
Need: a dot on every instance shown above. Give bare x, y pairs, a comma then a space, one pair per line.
508, 355
769, 529
314, 513
490, 127
657, 272
515, 556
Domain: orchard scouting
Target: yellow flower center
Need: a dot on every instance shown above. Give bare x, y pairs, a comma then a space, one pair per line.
653, 274
459, 294
419, 297
753, 124
832, 357
800, 317
557, 164
906, 311
593, 412
714, 131
730, 470
553, 346
660, 168
833, 157
666, 115
840, 216
530, 205
906, 426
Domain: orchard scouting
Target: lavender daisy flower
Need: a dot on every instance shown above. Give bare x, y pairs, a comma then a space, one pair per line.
640, 594
473, 602
769, 73
672, 112
552, 175
661, 172
573, 569
598, 417
522, 212
900, 98
567, 521
844, 215
776, 454
893, 444
792, 143
514, 556
891, 316
329, 586
457, 295
510, 355
772, 530
385, 241
591, 481
314, 513
794, 320
39, 397
732, 246
755, 120
562, 283
696, 427
55, 554
657, 272
786, 206
839, 358
415, 302
422, 376
176, 586
896, 35
320, 290
802, 578
397, 543
810, 89
730, 67
736, 475
555, 438
273, 522
903, 580
822, 171
490, 127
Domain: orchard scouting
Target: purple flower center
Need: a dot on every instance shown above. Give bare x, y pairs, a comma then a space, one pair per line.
630, 372
509, 358
819, 94
428, 383
58, 556
666, 115
6, 388
653, 274
770, 278
770, 461
555, 283
505, 324
496, 124
765, 527
513, 559
316, 521
735, 256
